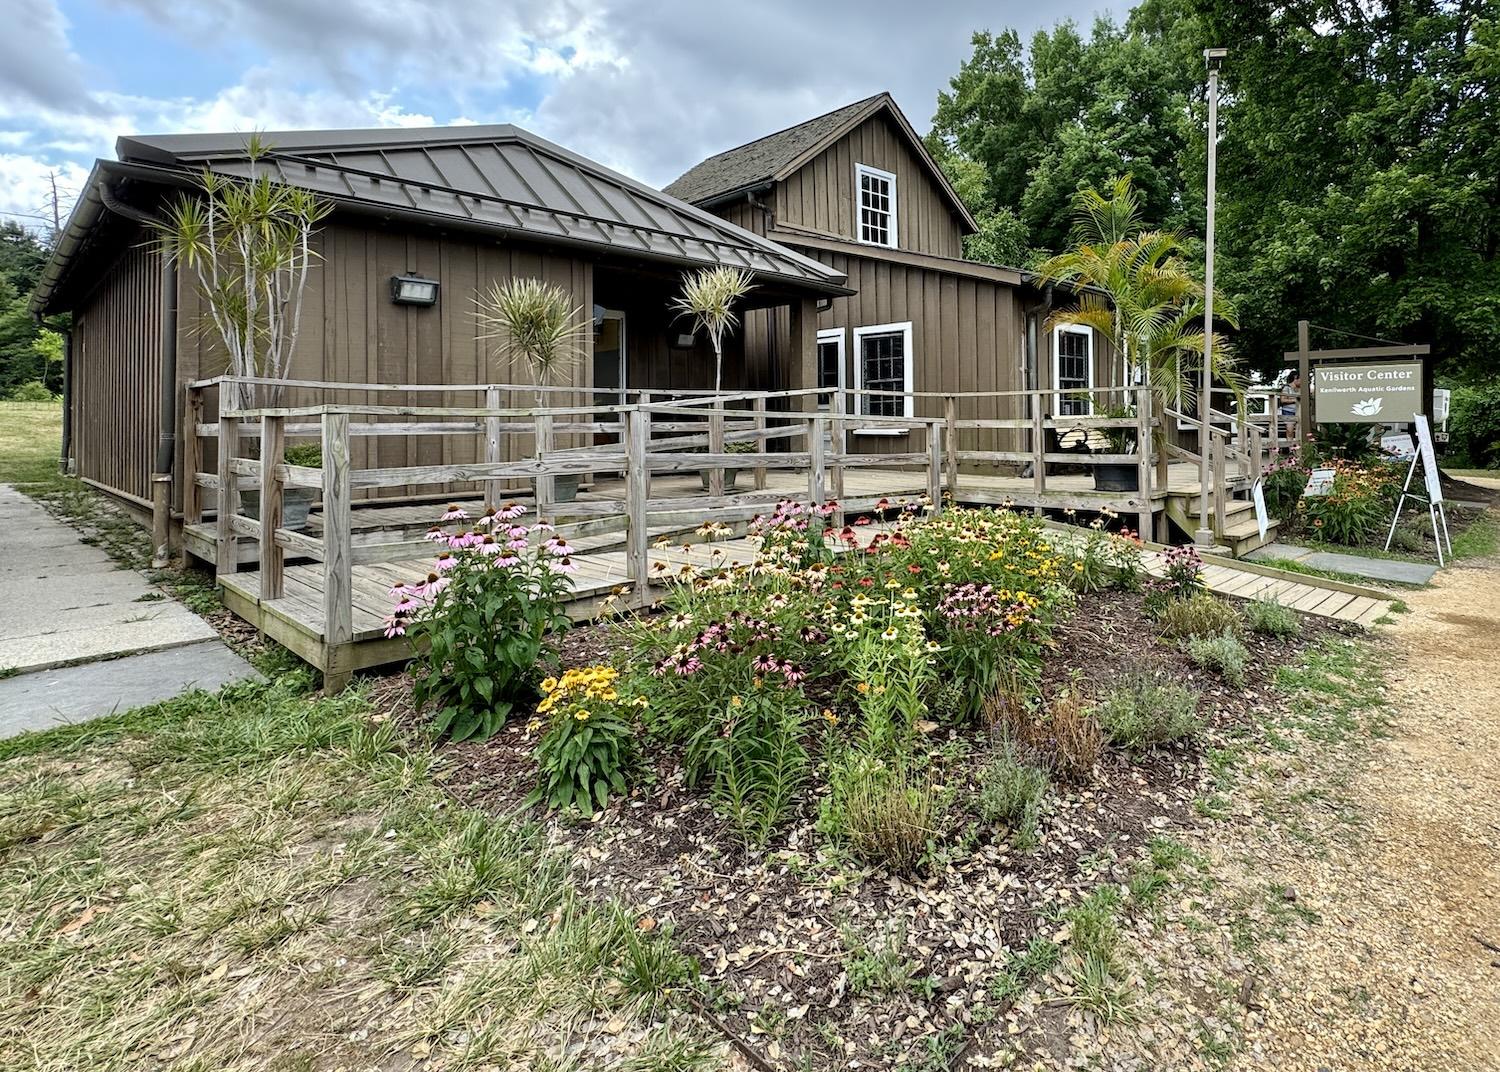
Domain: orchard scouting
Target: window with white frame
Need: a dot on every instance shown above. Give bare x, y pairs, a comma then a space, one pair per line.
1073, 370
830, 364
875, 209
883, 362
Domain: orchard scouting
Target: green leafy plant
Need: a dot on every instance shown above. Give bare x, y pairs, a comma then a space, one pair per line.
1145, 711
1011, 792
760, 763
1225, 654
484, 622
31, 391
587, 742
1199, 615
1270, 618
1356, 508
307, 455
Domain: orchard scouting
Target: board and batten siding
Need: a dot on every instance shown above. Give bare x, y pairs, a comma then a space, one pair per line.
353, 332
821, 195
116, 359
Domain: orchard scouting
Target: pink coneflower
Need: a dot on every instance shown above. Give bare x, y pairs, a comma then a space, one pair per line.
542, 526
445, 561
510, 511
861, 521
394, 626
488, 546
454, 513
564, 565
399, 590
507, 558
559, 546
437, 534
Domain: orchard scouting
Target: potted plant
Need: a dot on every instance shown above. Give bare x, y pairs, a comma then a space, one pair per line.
538, 322
729, 474
708, 296
296, 503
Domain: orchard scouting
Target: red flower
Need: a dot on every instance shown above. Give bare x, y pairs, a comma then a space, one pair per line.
838, 584
914, 568
865, 582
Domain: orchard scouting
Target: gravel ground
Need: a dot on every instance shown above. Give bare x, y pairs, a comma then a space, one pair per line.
1403, 969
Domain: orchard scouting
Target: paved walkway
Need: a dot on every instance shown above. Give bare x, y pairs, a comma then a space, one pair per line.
65, 603
1388, 570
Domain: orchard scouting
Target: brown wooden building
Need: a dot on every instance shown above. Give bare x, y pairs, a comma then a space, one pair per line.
857, 190
461, 207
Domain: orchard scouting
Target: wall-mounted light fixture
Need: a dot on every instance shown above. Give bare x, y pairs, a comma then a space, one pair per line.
413, 290
684, 340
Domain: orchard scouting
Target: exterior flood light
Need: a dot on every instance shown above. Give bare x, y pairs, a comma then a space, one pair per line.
413, 290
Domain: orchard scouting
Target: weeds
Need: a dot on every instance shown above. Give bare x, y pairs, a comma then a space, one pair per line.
1202, 615
1270, 618
1011, 792
1224, 654
1146, 711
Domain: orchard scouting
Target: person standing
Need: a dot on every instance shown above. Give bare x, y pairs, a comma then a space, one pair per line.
1291, 397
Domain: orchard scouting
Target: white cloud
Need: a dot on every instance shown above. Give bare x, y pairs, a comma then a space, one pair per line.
26, 188
37, 66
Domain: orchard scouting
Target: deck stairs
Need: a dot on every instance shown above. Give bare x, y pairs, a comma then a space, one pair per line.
1240, 534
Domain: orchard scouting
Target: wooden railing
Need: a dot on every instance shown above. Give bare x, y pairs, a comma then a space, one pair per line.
652, 435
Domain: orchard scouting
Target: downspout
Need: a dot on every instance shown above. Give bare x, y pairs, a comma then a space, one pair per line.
67, 393
1031, 373
166, 431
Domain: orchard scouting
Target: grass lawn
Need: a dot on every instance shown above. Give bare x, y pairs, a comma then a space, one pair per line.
259, 878
30, 439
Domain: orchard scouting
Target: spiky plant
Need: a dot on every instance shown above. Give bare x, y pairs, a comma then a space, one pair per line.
708, 296
1144, 299
536, 321
249, 242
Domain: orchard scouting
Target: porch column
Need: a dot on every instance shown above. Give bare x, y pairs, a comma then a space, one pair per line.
802, 358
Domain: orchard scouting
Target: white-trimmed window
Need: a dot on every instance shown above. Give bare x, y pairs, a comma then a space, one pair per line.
1073, 371
883, 361
830, 364
875, 206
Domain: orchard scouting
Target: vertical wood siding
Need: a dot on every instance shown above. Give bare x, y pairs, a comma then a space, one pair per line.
116, 374
821, 194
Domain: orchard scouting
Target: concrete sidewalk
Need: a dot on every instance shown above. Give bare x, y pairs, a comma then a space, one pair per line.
65, 603
1374, 569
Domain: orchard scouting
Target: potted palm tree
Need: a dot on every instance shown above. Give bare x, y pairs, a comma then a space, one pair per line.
708, 296
1135, 288
539, 323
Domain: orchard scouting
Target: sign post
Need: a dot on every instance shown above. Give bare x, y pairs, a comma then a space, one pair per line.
1432, 481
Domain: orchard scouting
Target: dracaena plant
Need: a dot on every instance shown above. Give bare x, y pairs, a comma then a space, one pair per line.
249, 243
708, 297
536, 322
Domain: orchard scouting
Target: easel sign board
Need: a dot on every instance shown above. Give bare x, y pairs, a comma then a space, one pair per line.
1398, 446
1383, 392
1429, 460
1262, 518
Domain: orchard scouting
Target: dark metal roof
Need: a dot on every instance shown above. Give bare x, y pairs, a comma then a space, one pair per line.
498, 179
775, 156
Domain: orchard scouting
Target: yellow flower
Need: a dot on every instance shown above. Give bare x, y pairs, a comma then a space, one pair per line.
863, 686
581, 715
831, 718
548, 684
735, 701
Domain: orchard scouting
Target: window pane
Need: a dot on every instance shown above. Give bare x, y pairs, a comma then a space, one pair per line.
1073, 372
883, 368
828, 368
875, 221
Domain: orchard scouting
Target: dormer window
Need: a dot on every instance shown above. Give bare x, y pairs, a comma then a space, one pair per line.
875, 214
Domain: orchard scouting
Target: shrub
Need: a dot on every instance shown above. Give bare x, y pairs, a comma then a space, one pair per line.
1270, 618
587, 742
1068, 734
1011, 792
1356, 508
760, 769
31, 391
1222, 653
487, 612
1146, 711
885, 812
308, 455
1474, 425
1200, 615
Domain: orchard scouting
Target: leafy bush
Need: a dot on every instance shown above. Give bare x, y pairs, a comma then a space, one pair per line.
587, 742
1474, 425
885, 812
1181, 579
1357, 508
307, 455
31, 391
1350, 442
1200, 615
1011, 792
487, 612
760, 770
1222, 653
1270, 618
1284, 478
1145, 712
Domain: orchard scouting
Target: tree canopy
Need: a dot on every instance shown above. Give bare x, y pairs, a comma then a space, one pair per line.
1359, 159
27, 350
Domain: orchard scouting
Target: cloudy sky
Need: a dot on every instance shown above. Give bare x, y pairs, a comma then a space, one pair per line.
646, 86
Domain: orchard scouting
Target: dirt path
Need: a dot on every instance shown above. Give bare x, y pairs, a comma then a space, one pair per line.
1394, 976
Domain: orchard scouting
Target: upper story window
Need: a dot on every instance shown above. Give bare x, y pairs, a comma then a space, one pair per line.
875, 211
1073, 367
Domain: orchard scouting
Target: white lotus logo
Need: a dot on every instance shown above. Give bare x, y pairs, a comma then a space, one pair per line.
1367, 407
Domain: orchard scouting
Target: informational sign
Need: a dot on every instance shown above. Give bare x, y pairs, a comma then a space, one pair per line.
1398, 446
1387, 392
1319, 482
1262, 519
1429, 461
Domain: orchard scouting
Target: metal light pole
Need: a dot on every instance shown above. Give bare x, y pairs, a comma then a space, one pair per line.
1204, 537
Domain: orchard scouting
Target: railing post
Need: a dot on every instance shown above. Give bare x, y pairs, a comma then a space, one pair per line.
839, 442
192, 457
272, 558
759, 408
935, 465
1038, 448
226, 544
161, 519
545, 485
338, 558
716, 446
1220, 482
492, 442
637, 431
950, 442
815, 474
1143, 452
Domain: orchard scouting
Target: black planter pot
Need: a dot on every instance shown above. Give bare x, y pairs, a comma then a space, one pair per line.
1117, 476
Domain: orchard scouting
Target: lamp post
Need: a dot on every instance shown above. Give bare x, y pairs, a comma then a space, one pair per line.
1204, 537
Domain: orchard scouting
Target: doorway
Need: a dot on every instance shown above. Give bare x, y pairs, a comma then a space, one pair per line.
609, 357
